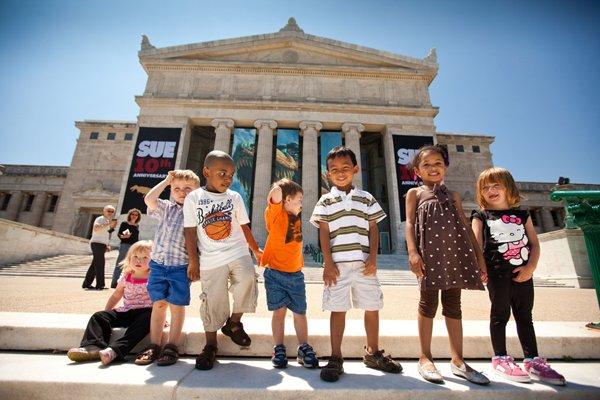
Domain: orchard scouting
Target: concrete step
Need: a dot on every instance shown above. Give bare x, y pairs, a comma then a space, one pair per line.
44, 376
556, 340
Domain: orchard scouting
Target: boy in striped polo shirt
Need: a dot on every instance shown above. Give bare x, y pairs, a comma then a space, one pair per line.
347, 219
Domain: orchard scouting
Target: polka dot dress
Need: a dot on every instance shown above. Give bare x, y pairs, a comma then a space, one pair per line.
444, 244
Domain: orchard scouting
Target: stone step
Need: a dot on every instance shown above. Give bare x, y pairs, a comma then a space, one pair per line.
556, 340
45, 376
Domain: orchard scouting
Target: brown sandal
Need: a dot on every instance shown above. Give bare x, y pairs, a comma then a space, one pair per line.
148, 356
206, 359
169, 355
235, 330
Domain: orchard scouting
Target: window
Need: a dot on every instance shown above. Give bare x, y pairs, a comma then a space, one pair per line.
460, 148
129, 136
28, 202
555, 217
53, 203
476, 149
327, 141
243, 152
5, 201
94, 135
533, 214
287, 157
111, 136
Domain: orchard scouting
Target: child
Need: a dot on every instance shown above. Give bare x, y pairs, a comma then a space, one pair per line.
511, 251
168, 284
134, 314
444, 255
347, 219
216, 223
284, 280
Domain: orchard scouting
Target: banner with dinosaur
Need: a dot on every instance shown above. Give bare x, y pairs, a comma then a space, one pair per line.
404, 149
155, 155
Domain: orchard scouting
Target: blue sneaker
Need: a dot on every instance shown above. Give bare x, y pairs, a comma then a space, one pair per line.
279, 358
307, 356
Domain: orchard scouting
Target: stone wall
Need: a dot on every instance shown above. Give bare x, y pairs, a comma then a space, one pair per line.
564, 258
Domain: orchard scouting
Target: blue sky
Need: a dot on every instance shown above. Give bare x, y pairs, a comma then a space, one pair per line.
524, 72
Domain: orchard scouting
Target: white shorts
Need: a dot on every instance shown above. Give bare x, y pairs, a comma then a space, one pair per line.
366, 290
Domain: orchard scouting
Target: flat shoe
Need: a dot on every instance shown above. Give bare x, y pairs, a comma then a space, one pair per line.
469, 374
430, 376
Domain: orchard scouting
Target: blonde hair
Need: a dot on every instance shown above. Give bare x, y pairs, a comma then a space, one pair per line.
139, 215
186, 175
144, 246
503, 177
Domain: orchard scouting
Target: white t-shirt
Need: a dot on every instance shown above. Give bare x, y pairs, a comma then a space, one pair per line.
218, 218
101, 236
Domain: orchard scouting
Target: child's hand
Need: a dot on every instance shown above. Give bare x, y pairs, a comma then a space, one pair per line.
169, 177
483, 273
193, 271
258, 253
330, 274
370, 265
417, 266
523, 274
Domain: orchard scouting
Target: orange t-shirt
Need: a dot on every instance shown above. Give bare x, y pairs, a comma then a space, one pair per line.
283, 250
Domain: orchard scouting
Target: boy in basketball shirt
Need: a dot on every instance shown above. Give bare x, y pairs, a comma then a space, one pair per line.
216, 223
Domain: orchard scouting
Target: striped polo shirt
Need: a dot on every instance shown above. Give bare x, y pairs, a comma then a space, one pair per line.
348, 216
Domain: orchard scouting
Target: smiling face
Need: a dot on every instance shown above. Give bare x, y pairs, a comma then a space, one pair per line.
340, 171
219, 175
180, 188
293, 204
494, 195
431, 168
108, 212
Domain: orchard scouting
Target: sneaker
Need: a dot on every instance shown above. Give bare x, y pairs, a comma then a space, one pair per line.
307, 356
279, 358
87, 353
383, 363
505, 367
334, 368
539, 370
107, 356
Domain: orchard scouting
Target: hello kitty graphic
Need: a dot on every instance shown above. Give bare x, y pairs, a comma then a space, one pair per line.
510, 232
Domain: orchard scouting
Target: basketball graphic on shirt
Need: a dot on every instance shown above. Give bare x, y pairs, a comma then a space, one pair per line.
217, 226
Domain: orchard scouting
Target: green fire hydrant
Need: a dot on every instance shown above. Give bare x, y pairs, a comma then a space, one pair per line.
583, 211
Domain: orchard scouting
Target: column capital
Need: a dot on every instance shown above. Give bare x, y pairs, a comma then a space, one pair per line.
352, 127
316, 125
259, 123
226, 122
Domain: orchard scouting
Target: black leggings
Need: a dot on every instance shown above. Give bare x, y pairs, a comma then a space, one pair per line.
96, 269
506, 294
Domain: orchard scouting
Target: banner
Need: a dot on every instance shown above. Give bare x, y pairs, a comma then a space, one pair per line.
405, 148
155, 155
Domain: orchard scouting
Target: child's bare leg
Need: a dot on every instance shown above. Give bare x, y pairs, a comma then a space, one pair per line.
455, 335
278, 325
301, 326
425, 332
177, 319
157, 321
337, 324
372, 329
211, 338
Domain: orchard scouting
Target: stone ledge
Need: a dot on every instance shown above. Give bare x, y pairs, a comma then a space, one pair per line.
59, 332
43, 376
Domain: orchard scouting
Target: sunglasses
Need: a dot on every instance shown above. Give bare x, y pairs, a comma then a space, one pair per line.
110, 211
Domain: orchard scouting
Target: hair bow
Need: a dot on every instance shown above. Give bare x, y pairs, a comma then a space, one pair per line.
507, 219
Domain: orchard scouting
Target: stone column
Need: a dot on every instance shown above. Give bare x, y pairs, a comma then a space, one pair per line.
546, 220
14, 205
396, 225
223, 127
352, 132
38, 208
262, 177
310, 178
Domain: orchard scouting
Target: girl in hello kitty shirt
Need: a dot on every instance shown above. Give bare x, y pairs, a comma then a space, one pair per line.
511, 251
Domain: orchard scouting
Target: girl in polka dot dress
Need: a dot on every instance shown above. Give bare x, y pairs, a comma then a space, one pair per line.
444, 255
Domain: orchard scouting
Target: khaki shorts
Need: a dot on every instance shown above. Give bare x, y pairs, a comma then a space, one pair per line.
353, 289
237, 277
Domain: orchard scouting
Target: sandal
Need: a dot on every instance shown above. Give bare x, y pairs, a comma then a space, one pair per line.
206, 359
169, 355
235, 330
148, 356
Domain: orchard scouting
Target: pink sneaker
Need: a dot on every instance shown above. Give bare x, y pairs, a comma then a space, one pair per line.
505, 367
539, 370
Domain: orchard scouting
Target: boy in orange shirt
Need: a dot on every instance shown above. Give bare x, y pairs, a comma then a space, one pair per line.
283, 262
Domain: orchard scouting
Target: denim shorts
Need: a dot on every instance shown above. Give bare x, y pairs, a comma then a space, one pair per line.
285, 289
170, 283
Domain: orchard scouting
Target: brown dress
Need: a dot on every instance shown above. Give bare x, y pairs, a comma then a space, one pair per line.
444, 244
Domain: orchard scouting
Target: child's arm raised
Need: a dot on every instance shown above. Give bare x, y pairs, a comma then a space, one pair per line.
526, 272
417, 266
191, 245
330, 270
275, 195
371, 262
152, 197
252, 242
117, 295
476, 245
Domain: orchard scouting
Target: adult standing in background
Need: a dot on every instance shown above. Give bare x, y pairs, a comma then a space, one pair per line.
129, 234
99, 244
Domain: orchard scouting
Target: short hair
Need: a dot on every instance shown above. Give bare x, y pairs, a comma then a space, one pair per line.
109, 207
441, 149
341, 151
186, 175
288, 188
504, 178
217, 155
133, 210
